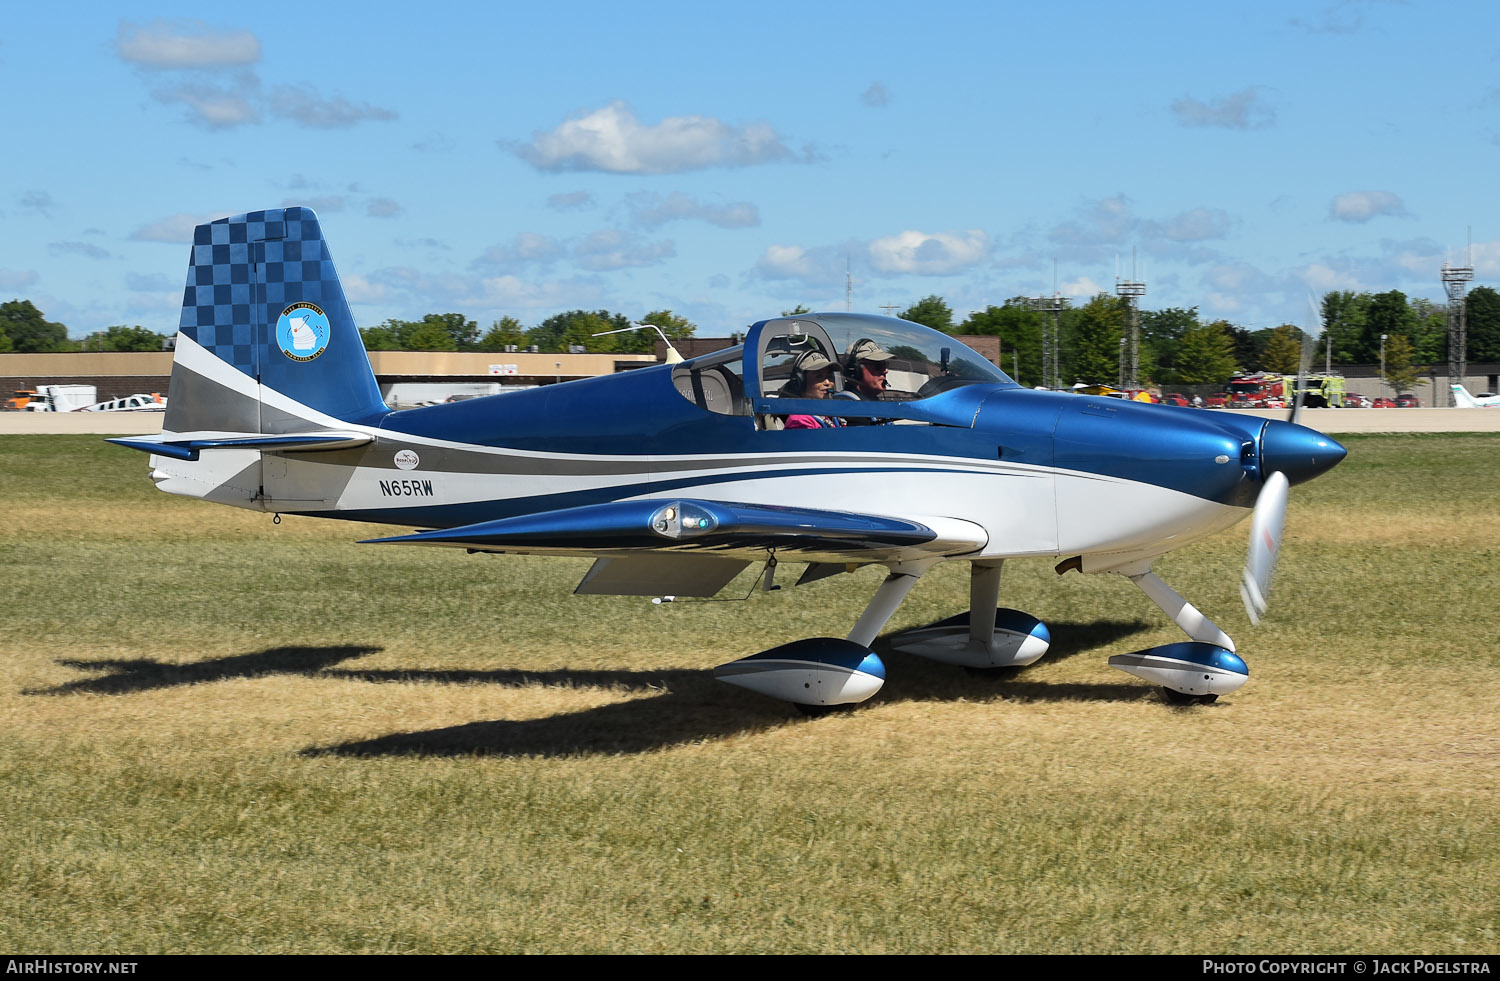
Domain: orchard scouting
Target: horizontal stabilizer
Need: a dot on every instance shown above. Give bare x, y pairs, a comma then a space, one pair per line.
188, 449
657, 524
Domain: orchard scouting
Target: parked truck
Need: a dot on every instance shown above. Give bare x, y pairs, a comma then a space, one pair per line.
54, 398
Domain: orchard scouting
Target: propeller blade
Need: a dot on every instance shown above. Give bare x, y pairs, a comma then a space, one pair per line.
1265, 542
1304, 365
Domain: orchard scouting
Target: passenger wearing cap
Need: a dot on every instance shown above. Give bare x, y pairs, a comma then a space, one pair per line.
812, 378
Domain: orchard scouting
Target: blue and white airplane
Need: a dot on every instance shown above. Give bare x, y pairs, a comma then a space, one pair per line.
676, 477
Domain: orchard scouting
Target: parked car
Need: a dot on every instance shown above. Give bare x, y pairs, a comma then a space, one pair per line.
1175, 399
1354, 400
1408, 401
1383, 403
1215, 402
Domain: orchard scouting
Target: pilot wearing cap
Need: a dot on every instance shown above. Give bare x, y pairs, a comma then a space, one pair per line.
812, 378
865, 370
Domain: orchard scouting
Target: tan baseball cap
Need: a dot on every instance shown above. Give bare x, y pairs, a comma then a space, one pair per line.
809, 361
865, 349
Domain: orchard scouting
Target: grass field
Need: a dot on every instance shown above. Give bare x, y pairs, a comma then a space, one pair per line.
223, 735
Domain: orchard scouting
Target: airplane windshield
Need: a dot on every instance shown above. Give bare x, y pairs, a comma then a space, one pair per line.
923, 362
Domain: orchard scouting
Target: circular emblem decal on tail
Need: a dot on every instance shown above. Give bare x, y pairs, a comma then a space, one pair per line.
302, 331
407, 459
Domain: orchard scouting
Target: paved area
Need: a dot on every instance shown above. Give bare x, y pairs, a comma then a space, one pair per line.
1330, 421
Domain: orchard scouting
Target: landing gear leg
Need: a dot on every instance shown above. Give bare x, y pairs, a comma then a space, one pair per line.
887, 599
1196, 672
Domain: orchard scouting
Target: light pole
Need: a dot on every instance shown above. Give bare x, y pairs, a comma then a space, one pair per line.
1382, 363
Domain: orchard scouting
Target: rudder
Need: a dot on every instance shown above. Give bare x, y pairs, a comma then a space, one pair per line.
263, 300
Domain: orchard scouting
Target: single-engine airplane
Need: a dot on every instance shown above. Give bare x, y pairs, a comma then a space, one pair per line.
676, 477
1464, 400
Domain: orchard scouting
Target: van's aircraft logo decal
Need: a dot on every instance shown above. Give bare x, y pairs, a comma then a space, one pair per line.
302, 331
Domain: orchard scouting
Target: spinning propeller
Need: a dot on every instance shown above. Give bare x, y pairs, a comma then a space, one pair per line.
1266, 522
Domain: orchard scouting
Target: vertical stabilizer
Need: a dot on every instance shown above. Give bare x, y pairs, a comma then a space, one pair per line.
266, 343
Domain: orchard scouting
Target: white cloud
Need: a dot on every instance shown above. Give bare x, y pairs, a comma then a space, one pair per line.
614, 249
17, 279
612, 140
928, 254
1106, 221
1194, 225
86, 249
1361, 206
1239, 277
527, 248
322, 205
359, 289
1082, 287
303, 105
795, 262
214, 106
173, 228
1321, 278
151, 282
572, 201
383, 208
185, 44
876, 96
1244, 109
652, 210
38, 201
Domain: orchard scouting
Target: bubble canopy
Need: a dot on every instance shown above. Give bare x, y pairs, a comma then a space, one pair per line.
922, 363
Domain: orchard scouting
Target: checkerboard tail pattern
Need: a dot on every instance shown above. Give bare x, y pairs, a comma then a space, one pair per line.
247, 270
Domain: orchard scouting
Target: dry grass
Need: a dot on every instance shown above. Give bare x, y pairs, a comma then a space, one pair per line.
220, 735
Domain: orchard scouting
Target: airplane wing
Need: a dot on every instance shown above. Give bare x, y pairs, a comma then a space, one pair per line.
744, 531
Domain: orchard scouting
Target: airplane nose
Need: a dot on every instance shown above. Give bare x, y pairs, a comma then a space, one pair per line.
1297, 451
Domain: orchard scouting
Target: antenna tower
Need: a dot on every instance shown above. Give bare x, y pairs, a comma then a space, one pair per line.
1130, 362
1050, 341
848, 288
1455, 280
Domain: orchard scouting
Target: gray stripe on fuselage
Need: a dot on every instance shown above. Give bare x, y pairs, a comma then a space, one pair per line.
444, 459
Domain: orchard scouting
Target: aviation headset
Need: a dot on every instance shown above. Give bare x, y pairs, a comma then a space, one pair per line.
804, 363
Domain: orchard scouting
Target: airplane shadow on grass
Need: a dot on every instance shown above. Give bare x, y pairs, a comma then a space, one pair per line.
689, 705
692, 706
144, 674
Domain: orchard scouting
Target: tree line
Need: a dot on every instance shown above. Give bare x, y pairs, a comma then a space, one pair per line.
1177, 346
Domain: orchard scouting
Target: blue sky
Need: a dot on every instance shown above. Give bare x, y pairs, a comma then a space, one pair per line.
731, 161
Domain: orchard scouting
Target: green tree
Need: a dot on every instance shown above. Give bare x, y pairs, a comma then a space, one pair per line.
795, 311
1282, 350
1093, 340
122, 338
1343, 314
1388, 314
505, 331
1429, 339
386, 337
932, 311
1161, 335
1020, 331
428, 335
1400, 373
576, 328
463, 332
29, 331
644, 341
1206, 355
1482, 324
